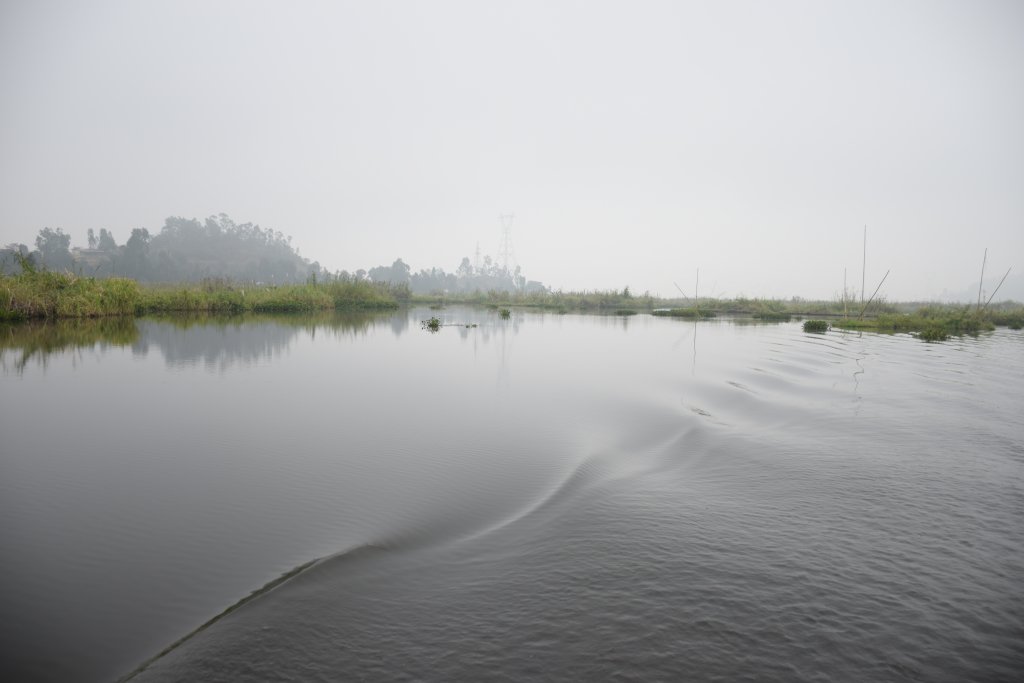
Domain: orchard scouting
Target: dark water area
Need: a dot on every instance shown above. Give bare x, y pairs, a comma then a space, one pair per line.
544, 498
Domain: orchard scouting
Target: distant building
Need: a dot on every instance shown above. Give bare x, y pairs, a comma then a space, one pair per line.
88, 259
533, 286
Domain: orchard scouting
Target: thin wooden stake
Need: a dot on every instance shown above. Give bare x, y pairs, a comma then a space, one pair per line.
996, 289
696, 296
872, 296
864, 264
982, 279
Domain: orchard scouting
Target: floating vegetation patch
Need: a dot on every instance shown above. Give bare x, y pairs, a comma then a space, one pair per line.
929, 324
625, 311
433, 324
933, 334
683, 313
504, 313
816, 326
1012, 319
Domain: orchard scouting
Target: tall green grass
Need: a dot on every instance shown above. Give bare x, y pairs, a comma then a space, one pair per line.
45, 294
930, 323
223, 297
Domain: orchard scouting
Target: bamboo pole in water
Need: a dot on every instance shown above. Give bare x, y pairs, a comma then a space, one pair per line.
696, 297
872, 296
996, 289
844, 293
864, 264
981, 280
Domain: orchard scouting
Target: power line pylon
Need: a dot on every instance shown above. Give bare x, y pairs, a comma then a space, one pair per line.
505, 247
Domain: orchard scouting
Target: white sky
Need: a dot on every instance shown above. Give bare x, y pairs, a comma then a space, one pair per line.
634, 141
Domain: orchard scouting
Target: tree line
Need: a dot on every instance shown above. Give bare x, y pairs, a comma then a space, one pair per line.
487, 277
187, 250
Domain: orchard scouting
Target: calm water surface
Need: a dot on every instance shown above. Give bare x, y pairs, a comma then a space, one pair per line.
545, 498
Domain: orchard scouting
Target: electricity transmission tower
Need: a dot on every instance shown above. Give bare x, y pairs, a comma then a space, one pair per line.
505, 247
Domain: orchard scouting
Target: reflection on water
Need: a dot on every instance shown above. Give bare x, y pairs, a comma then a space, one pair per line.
36, 340
214, 342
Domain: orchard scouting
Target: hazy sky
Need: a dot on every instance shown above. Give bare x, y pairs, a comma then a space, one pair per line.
634, 141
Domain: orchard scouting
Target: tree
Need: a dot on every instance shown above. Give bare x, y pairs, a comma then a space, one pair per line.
106, 241
136, 254
400, 272
14, 258
54, 248
91, 237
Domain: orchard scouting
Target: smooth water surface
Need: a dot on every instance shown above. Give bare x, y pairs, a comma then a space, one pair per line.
544, 498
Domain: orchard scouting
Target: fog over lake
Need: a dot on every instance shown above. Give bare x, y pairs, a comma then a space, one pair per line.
633, 142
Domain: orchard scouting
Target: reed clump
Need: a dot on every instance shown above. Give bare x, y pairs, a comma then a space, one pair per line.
816, 326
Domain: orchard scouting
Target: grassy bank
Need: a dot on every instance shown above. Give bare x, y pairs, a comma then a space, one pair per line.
37, 294
43, 294
222, 297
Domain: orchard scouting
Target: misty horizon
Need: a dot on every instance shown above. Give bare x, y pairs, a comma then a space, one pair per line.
634, 144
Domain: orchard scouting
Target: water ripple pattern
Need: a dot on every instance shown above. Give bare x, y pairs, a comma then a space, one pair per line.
575, 498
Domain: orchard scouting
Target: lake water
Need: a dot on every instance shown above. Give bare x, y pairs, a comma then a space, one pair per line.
552, 497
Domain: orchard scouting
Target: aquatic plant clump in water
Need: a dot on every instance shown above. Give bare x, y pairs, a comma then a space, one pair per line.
929, 324
683, 313
816, 326
933, 334
432, 325
504, 313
